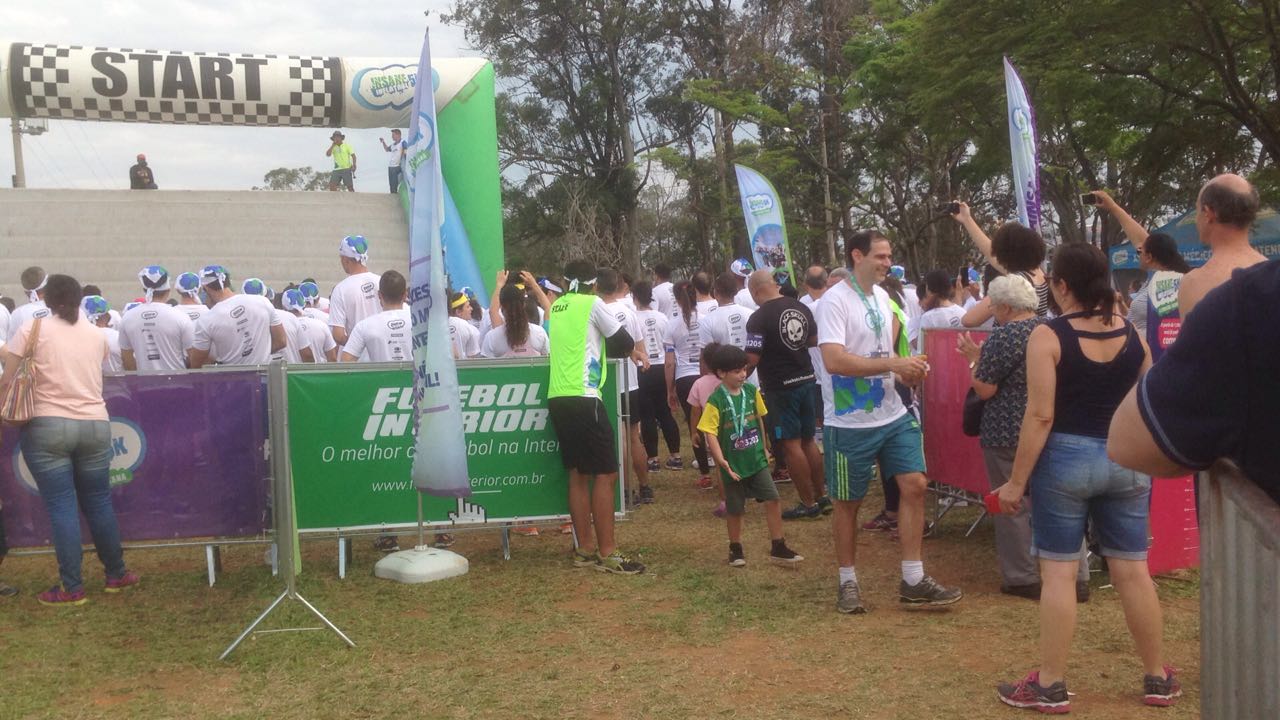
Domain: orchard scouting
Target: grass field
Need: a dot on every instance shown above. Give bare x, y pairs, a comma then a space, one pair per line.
537, 638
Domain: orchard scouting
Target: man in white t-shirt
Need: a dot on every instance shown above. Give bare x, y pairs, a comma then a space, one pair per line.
664, 299
815, 284
314, 335
155, 336
295, 339
395, 158
464, 336
704, 302
356, 296
727, 322
94, 308
611, 287
387, 336
866, 423
311, 293
238, 329
33, 281
742, 269
188, 284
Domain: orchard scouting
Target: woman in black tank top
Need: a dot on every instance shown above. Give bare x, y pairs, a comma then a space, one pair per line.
1079, 368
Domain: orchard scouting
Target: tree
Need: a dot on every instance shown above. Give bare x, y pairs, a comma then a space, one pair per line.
302, 178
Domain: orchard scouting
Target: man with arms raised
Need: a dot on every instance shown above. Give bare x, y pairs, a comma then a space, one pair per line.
238, 329
866, 422
1225, 211
356, 296
582, 334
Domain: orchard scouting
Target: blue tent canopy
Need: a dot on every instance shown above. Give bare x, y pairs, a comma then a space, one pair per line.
1265, 237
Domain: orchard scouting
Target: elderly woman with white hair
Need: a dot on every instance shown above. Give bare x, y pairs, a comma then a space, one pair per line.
999, 369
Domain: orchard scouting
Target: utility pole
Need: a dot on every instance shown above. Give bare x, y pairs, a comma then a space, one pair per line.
19, 173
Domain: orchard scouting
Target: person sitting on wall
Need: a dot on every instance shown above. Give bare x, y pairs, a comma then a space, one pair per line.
140, 175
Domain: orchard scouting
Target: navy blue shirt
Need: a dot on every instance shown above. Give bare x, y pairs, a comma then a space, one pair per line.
1216, 392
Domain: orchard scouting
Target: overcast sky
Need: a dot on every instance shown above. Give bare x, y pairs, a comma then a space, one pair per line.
98, 154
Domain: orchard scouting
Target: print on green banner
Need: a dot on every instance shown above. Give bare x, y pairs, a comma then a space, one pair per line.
351, 446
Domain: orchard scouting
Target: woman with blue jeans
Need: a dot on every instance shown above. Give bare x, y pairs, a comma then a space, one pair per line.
1079, 367
67, 443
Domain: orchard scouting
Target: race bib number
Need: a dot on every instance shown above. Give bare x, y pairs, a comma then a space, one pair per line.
748, 439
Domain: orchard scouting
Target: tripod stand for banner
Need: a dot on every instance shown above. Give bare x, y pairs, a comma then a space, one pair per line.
282, 498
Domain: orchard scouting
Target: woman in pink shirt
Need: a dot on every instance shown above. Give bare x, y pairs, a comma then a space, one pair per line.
67, 444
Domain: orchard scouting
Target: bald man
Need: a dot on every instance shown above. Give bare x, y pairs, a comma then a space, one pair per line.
779, 335
1226, 209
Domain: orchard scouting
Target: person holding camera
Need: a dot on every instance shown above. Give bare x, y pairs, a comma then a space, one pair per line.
1016, 249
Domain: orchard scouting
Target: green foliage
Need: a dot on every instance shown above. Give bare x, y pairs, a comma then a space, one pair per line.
302, 178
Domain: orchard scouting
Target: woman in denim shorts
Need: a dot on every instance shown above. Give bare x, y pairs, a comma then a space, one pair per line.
1079, 367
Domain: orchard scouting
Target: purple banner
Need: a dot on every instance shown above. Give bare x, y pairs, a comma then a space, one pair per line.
188, 461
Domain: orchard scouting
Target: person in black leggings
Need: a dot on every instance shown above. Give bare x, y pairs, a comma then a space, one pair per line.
653, 382
684, 349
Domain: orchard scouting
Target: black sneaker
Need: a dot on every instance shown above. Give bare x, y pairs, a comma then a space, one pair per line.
1030, 591
386, 544
7, 590
824, 503
802, 512
927, 592
849, 601
783, 555
675, 462
736, 557
1161, 692
654, 465
1027, 693
646, 495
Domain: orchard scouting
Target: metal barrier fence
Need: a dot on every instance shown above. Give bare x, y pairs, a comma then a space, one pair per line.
1239, 598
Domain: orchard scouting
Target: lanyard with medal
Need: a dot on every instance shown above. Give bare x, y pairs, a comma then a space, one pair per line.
875, 319
738, 416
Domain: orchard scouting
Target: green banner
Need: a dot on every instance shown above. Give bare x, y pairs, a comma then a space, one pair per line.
351, 446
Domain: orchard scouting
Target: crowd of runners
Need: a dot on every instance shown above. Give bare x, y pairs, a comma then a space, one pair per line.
812, 383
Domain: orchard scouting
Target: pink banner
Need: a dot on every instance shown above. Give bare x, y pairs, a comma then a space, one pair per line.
1175, 534
953, 458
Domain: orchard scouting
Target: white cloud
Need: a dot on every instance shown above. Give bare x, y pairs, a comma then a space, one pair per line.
98, 154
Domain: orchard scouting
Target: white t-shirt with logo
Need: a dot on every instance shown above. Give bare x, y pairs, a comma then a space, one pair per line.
465, 338
702, 306
942, 318
294, 337
159, 335
664, 299
317, 337
395, 153
683, 341
24, 314
237, 331
845, 320
744, 299
316, 313
113, 362
726, 324
353, 300
626, 317
653, 334
385, 337
495, 343
194, 312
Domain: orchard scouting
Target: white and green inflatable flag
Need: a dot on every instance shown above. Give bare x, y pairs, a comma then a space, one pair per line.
766, 229
440, 458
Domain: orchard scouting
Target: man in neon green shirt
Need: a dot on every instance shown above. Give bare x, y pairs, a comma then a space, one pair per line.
344, 162
582, 334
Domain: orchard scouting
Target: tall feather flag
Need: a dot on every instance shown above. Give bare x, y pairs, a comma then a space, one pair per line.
1022, 146
440, 459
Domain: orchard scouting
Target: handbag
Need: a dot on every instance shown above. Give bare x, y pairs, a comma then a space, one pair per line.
19, 403
972, 418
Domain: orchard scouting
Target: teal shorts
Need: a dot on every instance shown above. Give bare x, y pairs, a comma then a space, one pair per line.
850, 455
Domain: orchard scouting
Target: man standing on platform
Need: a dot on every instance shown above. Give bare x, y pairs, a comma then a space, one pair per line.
344, 162
395, 159
866, 423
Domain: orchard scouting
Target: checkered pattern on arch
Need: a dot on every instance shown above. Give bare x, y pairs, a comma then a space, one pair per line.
56, 81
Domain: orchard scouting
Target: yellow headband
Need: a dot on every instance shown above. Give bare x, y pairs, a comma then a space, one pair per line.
462, 300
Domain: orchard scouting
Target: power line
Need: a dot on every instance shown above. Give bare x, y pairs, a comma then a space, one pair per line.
57, 170
72, 142
97, 157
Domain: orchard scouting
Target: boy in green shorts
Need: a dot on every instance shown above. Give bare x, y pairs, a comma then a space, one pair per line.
732, 425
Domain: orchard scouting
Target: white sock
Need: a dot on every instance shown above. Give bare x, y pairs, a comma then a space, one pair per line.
913, 571
847, 574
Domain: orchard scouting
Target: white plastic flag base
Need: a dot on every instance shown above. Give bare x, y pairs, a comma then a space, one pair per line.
420, 565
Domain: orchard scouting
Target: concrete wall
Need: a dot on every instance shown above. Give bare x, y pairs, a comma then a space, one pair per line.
105, 236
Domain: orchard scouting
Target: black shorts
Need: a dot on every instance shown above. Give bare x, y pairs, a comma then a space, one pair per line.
636, 402
585, 436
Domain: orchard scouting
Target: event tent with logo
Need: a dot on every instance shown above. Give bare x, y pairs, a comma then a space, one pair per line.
1265, 237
